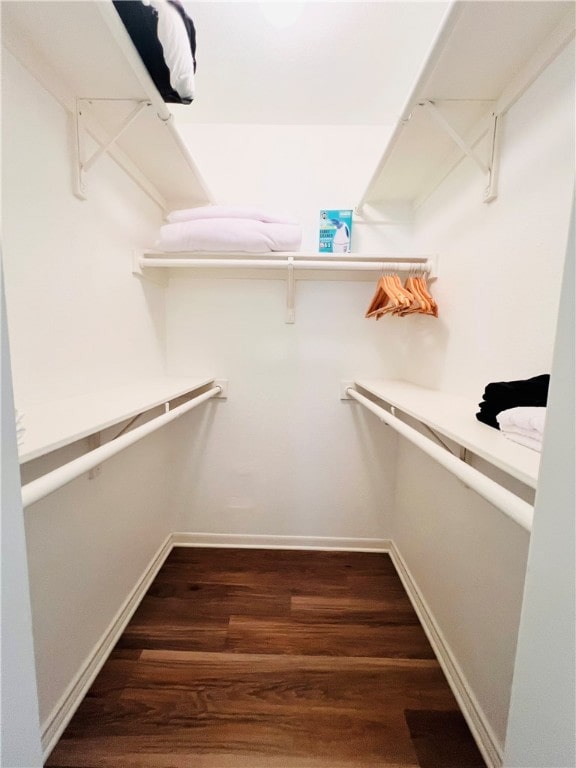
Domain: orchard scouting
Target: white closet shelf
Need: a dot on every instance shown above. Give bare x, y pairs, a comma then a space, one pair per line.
82, 51
55, 424
453, 417
485, 55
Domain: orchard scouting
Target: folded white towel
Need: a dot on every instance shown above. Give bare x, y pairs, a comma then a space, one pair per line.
524, 425
530, 442
229, 235
228, 212
524, 420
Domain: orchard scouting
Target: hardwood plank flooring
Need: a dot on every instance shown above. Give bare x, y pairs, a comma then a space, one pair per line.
276, 659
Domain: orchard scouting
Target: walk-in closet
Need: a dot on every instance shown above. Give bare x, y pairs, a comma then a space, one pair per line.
288, 384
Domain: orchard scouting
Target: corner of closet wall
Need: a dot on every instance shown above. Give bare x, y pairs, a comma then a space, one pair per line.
501, 262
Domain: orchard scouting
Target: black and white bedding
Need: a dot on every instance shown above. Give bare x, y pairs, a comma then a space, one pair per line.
165, 38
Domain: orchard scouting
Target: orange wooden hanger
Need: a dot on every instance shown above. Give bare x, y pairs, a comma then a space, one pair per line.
423, 288
379, 300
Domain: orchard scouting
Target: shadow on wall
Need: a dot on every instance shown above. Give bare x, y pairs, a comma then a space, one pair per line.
186, 454
423, 349
377, 445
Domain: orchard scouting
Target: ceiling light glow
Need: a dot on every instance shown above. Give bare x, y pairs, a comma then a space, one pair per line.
282, 14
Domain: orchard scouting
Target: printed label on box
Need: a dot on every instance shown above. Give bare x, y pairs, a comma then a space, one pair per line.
335, 231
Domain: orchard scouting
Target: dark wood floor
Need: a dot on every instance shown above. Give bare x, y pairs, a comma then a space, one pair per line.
276, 659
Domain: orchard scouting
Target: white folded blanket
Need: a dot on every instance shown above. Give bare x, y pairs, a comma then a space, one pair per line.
229, 235
524, 425
529, 442
228, 212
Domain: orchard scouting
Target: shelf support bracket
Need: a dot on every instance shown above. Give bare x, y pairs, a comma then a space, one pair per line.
94, 441
84, 164
491, 191
291, 293
441, 120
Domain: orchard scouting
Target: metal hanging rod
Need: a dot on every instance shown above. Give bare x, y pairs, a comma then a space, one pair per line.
504, 500
52, 481
283, 261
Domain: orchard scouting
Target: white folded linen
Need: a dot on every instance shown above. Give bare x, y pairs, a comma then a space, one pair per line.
228, 212
524, 425
228, 235
529, 442
523, 420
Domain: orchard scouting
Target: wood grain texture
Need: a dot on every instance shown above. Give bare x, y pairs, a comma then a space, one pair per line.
284, 659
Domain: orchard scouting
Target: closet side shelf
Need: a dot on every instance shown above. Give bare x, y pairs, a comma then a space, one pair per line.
453, 416
55, 424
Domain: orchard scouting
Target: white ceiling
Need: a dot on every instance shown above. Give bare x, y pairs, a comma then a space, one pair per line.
340, 63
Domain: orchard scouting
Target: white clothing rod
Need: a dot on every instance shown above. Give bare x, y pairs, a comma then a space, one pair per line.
50, 482
506, 501
363, 265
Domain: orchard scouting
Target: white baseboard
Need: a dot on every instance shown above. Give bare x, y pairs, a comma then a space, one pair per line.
70, 700
483, 734
256, 541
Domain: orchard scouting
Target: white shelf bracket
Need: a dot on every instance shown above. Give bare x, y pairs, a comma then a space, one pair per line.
94, 441
290, 293
343, 390
441, 120
224, 385
491, 191
83, 163
159, 278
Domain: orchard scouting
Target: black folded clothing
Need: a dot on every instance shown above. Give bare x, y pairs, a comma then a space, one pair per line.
502, 395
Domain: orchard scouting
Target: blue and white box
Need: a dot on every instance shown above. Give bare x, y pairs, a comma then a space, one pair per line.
335, 231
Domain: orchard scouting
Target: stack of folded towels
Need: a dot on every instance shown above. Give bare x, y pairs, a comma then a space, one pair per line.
517, 408
220, 228
524, 425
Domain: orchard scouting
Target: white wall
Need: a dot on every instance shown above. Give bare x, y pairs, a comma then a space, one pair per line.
501, 263
298, 169
285, 456
20, 734
498, 291
78, 320
541, 730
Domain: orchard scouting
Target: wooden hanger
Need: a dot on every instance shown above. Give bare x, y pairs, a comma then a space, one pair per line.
421, 305
398, 298
391, 297
405, 296
423, 288
417, 304
379, 300
384, 300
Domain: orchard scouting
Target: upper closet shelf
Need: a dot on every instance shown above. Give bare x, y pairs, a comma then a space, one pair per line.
83, 55
52, 425
454, 417
485, 56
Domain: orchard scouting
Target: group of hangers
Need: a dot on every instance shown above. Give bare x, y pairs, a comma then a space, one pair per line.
393, 298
